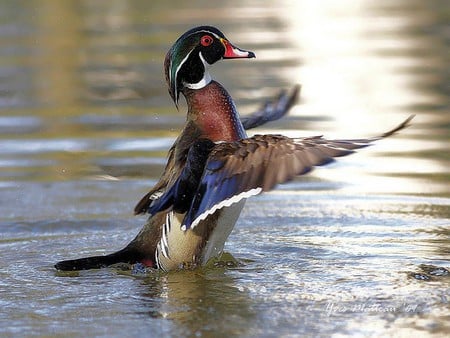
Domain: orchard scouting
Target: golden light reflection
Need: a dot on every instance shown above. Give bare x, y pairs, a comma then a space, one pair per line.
341, 75
55, 65
358, 69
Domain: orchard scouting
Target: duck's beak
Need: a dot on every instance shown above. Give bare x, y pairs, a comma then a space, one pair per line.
233, 52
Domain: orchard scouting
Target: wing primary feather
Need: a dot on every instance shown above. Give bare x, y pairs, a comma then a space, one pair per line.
271, 111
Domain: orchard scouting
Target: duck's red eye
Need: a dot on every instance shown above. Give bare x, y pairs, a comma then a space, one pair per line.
206, 40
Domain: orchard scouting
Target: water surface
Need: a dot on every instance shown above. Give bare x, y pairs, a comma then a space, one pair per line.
361, 247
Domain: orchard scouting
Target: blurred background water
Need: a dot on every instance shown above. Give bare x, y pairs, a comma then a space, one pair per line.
361, 247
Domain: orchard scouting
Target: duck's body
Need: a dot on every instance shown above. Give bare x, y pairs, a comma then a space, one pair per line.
211, 115
212, 167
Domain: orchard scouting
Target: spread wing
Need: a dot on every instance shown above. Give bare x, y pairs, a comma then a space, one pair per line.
272, 111
238, 170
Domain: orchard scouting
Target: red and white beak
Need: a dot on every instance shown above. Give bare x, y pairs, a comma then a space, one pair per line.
233, 52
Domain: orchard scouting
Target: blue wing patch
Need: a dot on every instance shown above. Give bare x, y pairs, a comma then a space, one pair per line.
180, 195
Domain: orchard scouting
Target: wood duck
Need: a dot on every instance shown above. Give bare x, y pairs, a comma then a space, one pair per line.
213, 167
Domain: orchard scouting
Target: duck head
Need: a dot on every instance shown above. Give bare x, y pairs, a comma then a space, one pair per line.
187, 62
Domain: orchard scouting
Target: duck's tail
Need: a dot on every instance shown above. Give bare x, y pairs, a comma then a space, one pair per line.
126, 255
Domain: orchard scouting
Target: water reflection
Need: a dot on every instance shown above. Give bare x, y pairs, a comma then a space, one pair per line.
358, 63
85, 122
201, 302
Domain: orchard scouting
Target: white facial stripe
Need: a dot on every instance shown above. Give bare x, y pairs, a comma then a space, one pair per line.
202, 83
206, 79
176, 73
205, 63
205, 31
225, 203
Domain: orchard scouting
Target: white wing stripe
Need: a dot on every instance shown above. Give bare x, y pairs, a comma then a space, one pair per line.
225, 203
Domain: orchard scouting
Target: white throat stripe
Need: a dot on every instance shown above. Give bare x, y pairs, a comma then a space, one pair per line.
206, 79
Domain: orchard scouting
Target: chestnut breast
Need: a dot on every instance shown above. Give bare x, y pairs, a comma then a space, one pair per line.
212, 109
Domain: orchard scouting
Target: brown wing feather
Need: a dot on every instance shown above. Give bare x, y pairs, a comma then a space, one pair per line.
273, 159
175, 162
240, 169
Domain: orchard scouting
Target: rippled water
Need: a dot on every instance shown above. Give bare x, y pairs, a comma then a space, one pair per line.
361, 247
